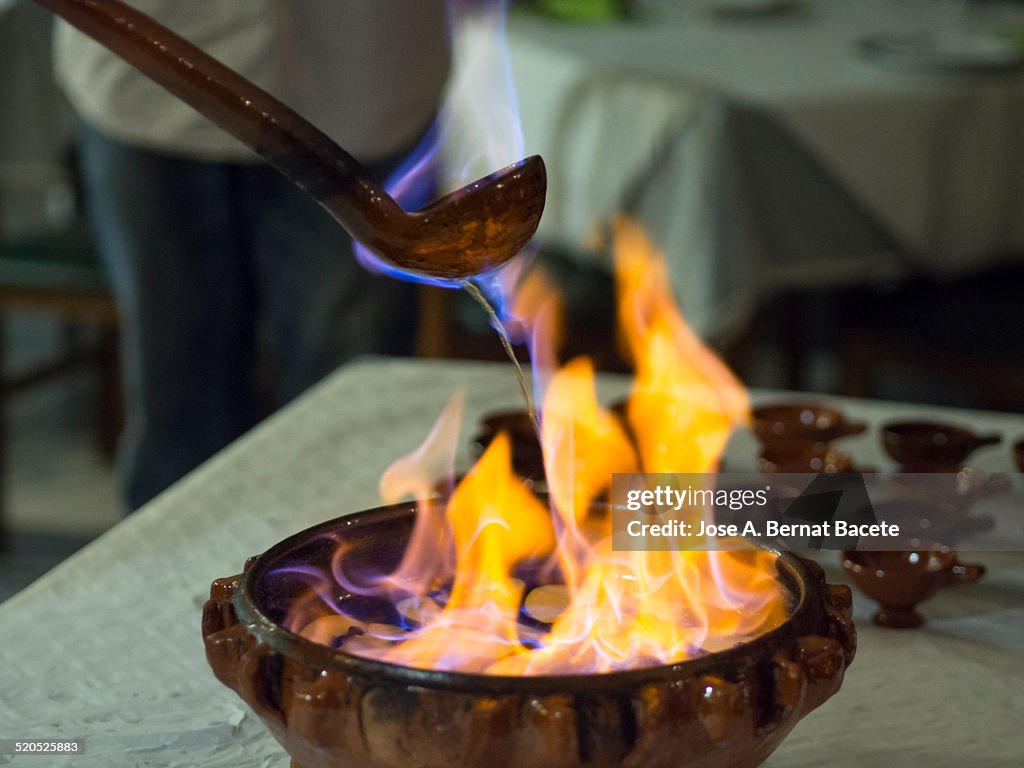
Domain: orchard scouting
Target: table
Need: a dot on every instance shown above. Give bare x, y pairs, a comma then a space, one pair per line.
107, 646
766, 154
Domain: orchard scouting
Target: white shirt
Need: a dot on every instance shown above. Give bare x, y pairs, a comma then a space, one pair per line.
369, 73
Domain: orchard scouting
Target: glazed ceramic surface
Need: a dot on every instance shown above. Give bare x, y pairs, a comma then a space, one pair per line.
327, 708
527, 458
802, 422
957, 486
931, 520
898, 581
924, 443
796, 457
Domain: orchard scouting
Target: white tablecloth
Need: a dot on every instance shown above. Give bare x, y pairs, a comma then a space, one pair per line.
768, 153
107, 646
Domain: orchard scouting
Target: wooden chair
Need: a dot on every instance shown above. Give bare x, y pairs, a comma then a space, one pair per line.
59, 274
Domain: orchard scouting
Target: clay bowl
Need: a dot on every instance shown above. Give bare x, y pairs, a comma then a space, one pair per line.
328, 708
801, 421
797, 457
921, 443
527, 458
898, 581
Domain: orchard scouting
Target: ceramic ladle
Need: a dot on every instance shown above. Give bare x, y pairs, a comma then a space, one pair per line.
471, 230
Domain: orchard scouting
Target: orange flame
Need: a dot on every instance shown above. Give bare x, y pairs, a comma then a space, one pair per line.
584, 444
495, 523
685, 401
597, 609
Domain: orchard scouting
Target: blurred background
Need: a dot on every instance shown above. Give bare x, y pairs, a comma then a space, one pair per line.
838, 188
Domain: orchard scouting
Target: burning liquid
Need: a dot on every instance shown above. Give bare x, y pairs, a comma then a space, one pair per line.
506, 344
498, 581
531, 624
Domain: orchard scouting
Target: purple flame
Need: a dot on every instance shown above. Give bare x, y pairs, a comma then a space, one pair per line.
412, 185
477, 131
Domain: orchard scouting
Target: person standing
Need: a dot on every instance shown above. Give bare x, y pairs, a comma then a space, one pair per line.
216, 261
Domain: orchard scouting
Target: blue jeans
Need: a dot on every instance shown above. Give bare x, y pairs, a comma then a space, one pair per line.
215, 267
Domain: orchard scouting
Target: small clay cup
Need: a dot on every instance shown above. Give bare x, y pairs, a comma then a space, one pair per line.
923, 521
956, 485
794, 457
802, 421
527, 457
898, 581
921, 443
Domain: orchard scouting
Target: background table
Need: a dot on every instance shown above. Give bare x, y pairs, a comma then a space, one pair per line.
766, 153
107, 646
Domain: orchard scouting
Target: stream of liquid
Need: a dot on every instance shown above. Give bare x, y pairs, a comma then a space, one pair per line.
506, 343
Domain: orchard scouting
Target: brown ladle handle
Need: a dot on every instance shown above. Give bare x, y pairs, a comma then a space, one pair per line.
284, 138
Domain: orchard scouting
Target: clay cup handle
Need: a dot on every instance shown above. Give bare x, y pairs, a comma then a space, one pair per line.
998, 482
981, 440
854, 428
965, 573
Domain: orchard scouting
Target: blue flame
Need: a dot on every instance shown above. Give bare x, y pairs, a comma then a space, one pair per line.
477, 131
413, 185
